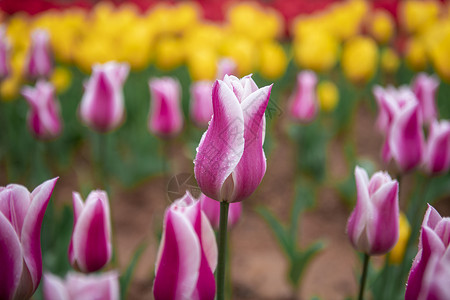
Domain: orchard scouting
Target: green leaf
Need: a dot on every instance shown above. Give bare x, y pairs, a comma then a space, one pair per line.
126, 277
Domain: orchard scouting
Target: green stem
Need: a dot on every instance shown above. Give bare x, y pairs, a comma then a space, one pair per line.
102, 160
363, 276
223, 228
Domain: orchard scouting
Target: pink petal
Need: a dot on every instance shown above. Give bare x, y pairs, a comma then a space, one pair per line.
77, 209
11, 260
222, 145
54, 288
31, 230
251, 168
180, 256
94, 286
14, 203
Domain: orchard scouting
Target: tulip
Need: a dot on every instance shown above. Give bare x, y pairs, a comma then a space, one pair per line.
406, 140
303, 103
373, 226
428, 278
21, 215
359, 59
187, 255
166, 118
226, 66
424, 88
211, 208
44, 117
230, 161
90, 247
437, 150
328, 95
201, 104
39, 61
5, 45
77, 286
102, 106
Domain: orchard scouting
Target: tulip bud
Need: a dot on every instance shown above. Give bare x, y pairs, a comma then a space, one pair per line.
39, 60
211, 208
374, 223
90, 247
102, 106
166, 117
78, 286
21, 215
226, 66
428, 278
230, 161
5, 46
303, 103
424, 88
359, 59
44, 117
201, 103
187, 255
437, 152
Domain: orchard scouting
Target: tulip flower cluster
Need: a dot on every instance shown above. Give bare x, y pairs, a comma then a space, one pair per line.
402, 114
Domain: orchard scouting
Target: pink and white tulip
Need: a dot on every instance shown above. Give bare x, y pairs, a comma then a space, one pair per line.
429, 275
102, 105
303, 105
21, 215
90, 247
437, 152
78, 286
44, 117
373, 226
226, 66
201, 104
211, 208
39, 60
166, 117
230, 161
5, 47
187, 255
424, 88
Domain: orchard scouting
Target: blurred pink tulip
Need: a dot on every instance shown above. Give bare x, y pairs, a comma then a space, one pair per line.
102, 105
90, 247
44, 119
5, 47
211, 208
21, 215
303, 105
226, 66
429, 275
77, 286
230, 161
424, 88
39, 60
437, 152
187, 255
166, 117
201, 103
406, 138
373, 226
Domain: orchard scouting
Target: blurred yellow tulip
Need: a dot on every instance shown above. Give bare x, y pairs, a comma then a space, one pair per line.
416, 55
416, 15
389, 60
359, 59
328, 95
9, 88
242, 51
61, 79
169, 53
202, 64
381, 26
273, 60
398, 252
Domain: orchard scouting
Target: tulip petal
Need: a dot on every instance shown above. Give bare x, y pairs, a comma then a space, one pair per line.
11, 261
14, 203
251, 168
77, 209
31, 230
95, 286
222, 145
91, 245
54, 288
180, 256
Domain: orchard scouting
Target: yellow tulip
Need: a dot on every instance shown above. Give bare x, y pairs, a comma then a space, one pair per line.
328, 95
398, 252
382, 26
202, 64
359, 59
273, 61
416, 55
61, 79
416, 16
317, 51
243, 52
389, 60
169, 53
9, 88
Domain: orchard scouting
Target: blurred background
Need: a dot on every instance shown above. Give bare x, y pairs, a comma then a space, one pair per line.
308, 189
